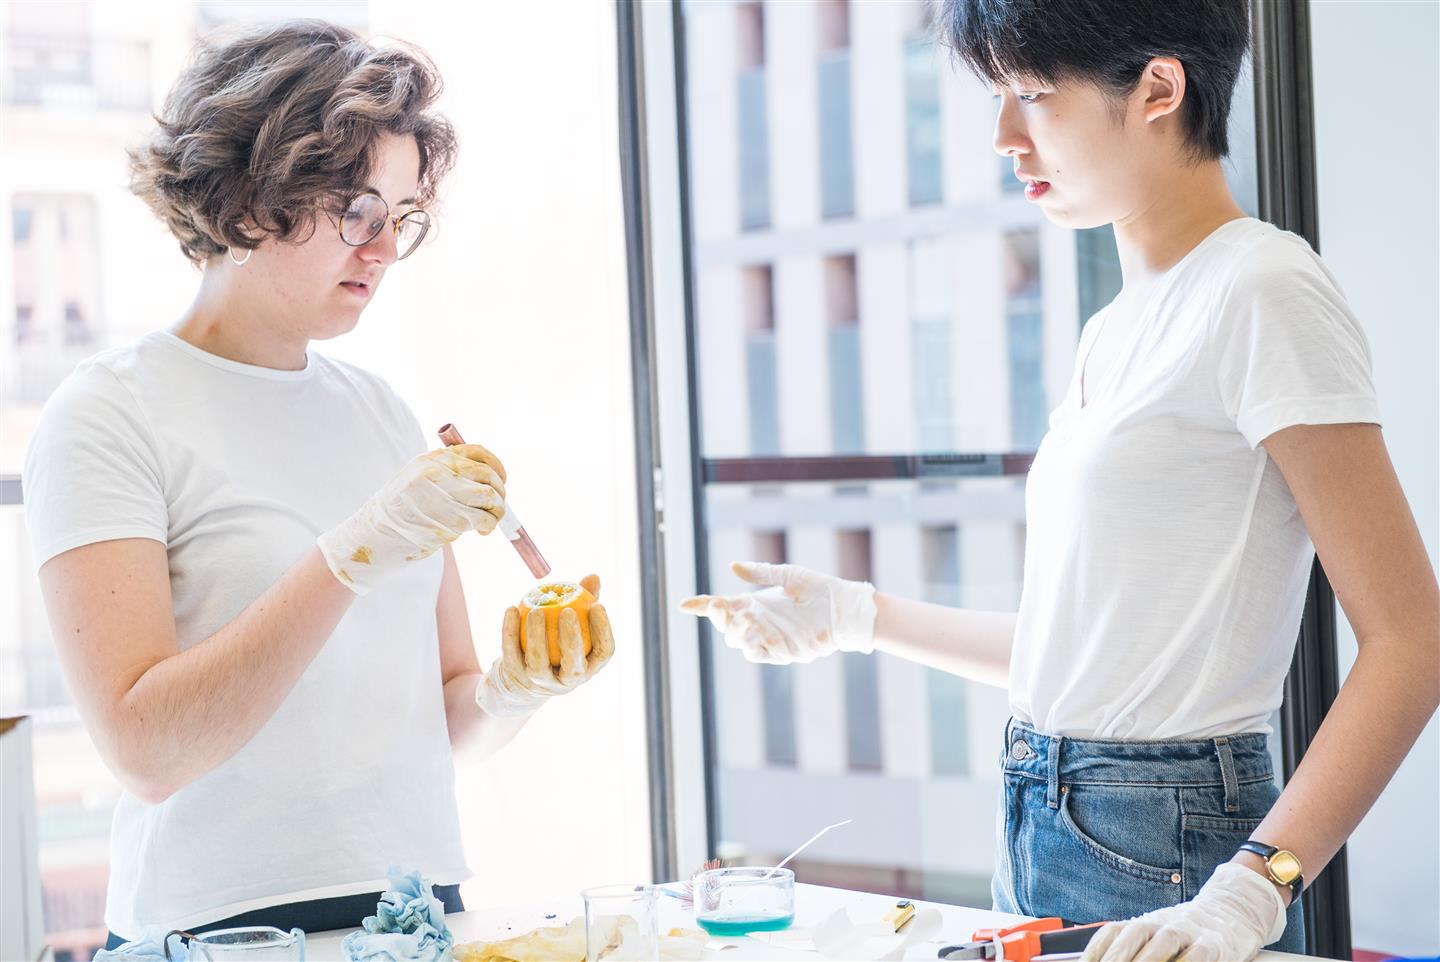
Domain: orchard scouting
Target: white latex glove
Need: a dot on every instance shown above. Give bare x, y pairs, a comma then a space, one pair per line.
1233, 916
520, 681
801, 614
434, 499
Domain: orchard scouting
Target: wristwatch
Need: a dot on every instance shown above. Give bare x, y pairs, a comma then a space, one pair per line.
1281, 865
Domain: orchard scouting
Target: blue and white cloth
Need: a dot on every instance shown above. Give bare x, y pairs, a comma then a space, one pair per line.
149, 947
408, 925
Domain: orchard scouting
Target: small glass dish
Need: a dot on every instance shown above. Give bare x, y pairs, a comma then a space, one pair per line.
251, 943
731, 902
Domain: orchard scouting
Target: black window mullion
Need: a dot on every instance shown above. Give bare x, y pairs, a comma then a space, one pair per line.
1285, 148
710, 748
642, 354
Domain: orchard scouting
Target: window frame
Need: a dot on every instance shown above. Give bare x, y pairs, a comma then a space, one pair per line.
674, 473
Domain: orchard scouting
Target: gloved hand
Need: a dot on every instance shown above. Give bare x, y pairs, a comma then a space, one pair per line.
520, 681
434, 499
1233, 916
800, 616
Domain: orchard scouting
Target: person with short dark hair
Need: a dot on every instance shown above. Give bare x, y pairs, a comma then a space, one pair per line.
244, 545
1220, 429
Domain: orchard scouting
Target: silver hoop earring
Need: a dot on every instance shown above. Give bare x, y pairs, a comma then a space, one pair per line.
240, 263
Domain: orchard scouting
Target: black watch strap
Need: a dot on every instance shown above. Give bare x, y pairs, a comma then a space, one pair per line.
1297, 884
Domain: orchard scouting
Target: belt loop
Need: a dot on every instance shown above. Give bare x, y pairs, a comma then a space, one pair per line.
1227, 774
1052, 783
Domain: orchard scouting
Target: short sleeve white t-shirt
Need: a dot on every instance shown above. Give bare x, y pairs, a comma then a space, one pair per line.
237, 469
1166, 562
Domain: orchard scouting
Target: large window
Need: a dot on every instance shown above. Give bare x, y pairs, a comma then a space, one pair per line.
837, 175
752, 139
900, 364
924, 162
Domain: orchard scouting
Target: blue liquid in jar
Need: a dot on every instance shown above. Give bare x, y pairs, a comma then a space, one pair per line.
730, 926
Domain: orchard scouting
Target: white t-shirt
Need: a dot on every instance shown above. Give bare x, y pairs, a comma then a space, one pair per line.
237, 469
1165, 559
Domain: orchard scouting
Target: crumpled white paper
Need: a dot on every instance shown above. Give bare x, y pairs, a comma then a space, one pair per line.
837, 937
567, 944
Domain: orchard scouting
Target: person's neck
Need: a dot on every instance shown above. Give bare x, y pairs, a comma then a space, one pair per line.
1183, 211
226, 321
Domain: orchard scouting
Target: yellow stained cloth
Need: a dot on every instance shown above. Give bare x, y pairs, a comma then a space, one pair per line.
567, 944
564, 943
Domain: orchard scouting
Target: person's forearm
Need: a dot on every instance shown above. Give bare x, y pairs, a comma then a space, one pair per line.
189, 712
1389, 696
965, 642
474, 733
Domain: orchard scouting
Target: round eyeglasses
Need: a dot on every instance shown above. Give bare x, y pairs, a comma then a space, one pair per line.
366, 216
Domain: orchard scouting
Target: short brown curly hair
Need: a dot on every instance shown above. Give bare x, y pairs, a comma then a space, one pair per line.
276, 123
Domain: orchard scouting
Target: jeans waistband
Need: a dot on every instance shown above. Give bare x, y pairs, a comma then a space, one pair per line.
1226, 761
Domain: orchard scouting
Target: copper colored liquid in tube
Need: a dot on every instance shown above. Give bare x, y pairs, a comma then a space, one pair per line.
519, 540
530, 554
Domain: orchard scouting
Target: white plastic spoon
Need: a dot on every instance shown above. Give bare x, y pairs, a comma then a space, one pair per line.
813, 839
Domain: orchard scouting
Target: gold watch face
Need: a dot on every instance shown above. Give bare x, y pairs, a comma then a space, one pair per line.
1284, 867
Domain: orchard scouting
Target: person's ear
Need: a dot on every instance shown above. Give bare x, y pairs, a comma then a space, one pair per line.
1161, 89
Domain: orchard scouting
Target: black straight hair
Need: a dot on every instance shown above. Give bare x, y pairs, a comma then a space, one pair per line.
1108, 43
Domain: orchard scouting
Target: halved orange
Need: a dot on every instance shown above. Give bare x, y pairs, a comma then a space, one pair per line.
552, 598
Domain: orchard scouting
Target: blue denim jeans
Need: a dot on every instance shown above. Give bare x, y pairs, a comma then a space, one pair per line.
1094, 830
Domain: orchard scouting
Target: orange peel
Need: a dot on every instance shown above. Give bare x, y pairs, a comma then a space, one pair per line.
551, 598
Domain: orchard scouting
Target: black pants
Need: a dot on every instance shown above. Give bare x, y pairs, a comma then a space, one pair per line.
319, 915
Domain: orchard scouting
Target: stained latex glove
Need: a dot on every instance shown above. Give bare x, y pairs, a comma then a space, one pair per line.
434, 499
800, 615
521, 680
1235, 914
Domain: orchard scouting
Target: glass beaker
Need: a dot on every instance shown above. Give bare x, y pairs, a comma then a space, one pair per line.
620, 923
731, 902
251, 943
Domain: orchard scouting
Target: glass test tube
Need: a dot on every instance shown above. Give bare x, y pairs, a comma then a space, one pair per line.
510, 524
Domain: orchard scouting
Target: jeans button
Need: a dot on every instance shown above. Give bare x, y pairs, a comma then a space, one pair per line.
1175, 878
1020, 751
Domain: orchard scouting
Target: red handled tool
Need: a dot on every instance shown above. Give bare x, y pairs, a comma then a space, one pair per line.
1023, 942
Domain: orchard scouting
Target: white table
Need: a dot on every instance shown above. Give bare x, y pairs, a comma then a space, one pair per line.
812, 904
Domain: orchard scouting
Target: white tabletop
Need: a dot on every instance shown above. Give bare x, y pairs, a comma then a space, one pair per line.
812, 904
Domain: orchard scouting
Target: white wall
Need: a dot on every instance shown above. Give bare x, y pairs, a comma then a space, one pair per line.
514, 325
1377, 99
